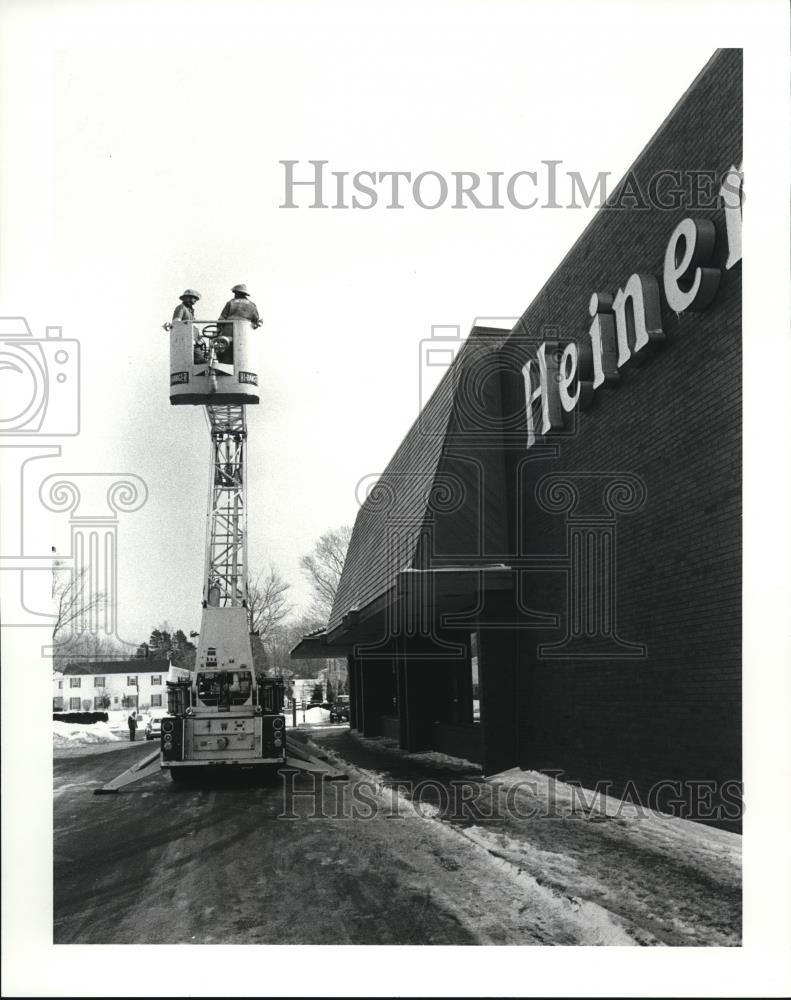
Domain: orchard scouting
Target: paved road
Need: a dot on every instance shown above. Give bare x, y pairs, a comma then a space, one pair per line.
164, 863
297, 862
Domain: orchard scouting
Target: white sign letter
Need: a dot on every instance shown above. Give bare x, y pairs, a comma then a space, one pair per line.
602, 335
642, 323
551, 414
687, 285
731, 194
568, 377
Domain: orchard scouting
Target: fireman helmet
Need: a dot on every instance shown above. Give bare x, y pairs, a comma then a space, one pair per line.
241, 289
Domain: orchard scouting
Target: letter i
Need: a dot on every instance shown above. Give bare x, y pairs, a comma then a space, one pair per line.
603, 340
339, 175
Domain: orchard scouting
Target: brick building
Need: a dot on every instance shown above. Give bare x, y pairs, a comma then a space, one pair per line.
559, 532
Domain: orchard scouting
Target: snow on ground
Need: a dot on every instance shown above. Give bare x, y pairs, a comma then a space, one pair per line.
433, 757
613, 873
542, 909
119, 719
77, 734
315, 715
665, 834
71, 734
445, 761
678, 881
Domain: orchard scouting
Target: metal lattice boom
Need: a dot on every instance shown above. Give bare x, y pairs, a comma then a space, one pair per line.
225, 578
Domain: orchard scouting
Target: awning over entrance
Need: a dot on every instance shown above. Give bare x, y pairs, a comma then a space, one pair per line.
448, 596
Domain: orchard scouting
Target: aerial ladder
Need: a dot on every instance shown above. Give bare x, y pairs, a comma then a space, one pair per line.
221, 715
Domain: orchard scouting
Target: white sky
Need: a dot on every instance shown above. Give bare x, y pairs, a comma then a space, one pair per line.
139, 148
147, 141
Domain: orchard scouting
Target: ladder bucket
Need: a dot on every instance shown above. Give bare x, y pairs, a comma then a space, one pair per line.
211, 364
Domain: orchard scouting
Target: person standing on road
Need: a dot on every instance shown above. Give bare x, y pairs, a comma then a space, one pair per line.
132, 725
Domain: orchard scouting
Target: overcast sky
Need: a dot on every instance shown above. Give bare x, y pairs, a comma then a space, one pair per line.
145, 159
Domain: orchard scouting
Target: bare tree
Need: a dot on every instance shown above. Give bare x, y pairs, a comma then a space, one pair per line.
323, 567
279, 649
76, 647
74, 601
267, 603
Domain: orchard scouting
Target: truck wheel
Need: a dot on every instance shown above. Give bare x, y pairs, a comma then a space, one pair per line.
178, 774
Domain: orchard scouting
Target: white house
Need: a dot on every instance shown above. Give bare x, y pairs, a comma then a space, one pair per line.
302, 688
334, 677
110, 685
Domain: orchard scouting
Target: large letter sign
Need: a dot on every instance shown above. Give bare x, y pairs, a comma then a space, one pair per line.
625, 325
688, 285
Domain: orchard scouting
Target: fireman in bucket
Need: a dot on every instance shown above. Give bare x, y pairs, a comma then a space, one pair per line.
241, 307
185, 311
217, 342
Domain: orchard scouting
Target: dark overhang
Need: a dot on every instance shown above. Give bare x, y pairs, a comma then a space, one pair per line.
419, 597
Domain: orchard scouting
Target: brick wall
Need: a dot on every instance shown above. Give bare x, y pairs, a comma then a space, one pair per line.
674, 422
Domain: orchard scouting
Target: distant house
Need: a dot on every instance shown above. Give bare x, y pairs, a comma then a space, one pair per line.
334, 678
302, 688
110, 685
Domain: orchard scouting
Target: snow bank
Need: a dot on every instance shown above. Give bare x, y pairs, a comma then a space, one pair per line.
444, 760
665, 879
117, 717
314, 716
77, 734
594, 869
433, 757
645, 827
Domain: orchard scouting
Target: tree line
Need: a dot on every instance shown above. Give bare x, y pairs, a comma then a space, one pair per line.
276, 625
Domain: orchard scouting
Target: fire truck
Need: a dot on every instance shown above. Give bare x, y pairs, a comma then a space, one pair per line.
220, 714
